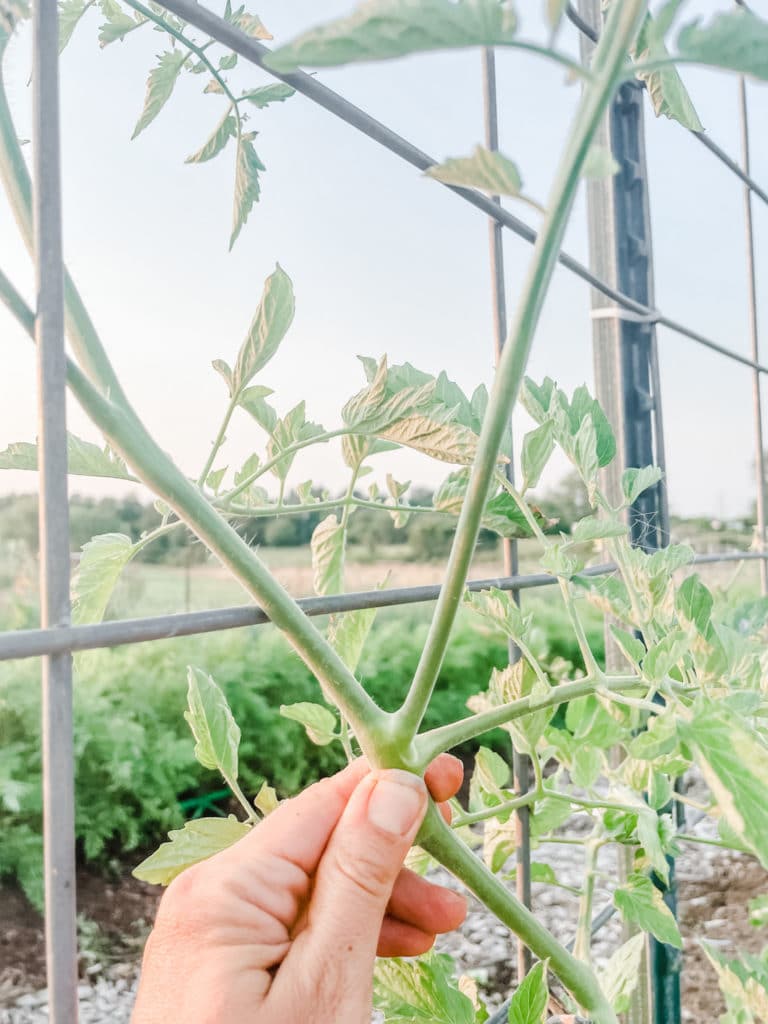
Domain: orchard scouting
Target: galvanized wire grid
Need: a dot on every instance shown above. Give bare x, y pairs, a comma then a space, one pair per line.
57, 638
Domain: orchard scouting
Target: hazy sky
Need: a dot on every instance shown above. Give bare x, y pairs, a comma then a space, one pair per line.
382, 259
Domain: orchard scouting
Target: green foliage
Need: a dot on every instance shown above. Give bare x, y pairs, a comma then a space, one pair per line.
83, 459
529, 1003
101, 563
381, 29
409, 991
198, 840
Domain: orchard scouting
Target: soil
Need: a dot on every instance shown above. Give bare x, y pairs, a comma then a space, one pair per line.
114, 919
116, 914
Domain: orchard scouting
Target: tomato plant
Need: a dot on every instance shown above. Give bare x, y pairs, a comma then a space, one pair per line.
691, 690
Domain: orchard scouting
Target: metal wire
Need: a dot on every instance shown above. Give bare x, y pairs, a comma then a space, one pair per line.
34, 643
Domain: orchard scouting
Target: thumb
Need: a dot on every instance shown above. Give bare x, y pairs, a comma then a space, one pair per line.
356, 875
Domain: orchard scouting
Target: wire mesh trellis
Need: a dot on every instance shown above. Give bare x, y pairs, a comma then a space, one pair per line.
55, 641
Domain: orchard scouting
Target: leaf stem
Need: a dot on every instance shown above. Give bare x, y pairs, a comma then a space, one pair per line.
218, 441
429, 744
621, 26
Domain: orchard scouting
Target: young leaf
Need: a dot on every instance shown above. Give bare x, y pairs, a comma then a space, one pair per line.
733, 759
503, 515
101, 562
247, 186
269, 326
252, 25
216, 733
319, 722
225, 130
118, 23
538, 445
663, 656
266, 800
328, 556
595, 528
499, 608
529, 1003
639, 902
635, 481
83, 459
694, 603
420, 990
277, 92
629, 645
599, 163
347, 634
253, 400
667, 93
621, 975
198, 840
70, 13
380, 29
160, 85
735, 40
223, 368
487, 171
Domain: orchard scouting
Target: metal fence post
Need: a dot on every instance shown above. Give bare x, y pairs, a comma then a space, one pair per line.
627, 385
520, 763
57, 735
757, 404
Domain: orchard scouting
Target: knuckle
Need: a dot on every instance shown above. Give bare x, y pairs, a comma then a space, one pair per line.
364, 869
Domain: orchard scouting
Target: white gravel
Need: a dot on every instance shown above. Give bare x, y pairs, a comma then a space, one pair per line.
481, 947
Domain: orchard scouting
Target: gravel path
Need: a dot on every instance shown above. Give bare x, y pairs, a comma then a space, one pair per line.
482, 946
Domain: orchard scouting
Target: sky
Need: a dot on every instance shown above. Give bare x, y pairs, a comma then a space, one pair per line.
382, 259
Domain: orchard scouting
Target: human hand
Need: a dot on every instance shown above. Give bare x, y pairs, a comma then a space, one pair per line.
283, 927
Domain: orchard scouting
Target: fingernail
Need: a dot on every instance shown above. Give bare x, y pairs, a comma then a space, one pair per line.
397, 803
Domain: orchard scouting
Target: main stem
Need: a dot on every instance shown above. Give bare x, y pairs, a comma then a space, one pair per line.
620, 29
438, 840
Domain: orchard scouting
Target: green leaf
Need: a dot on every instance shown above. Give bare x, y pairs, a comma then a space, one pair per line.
599, 163
347, 634
537, 399
663, 656
217, 736
529, 1003
538, 445
328, 556
694, 603
380, 29
632, 648
198, 840
621, 975
487, 171
420, 992
499, 608
319, 722
214, 478
436, 435
70, 13
635, 481
266, 800
83, 459
225, 130
223, 368
247, 185
269, 326
639, 902
290, 430
277, 92
253, 400
659, 739
667, 93
596, 528
733, 759
118, 23
503, 515
160, 85
735, 40
251, 24
649, 827
101, 562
